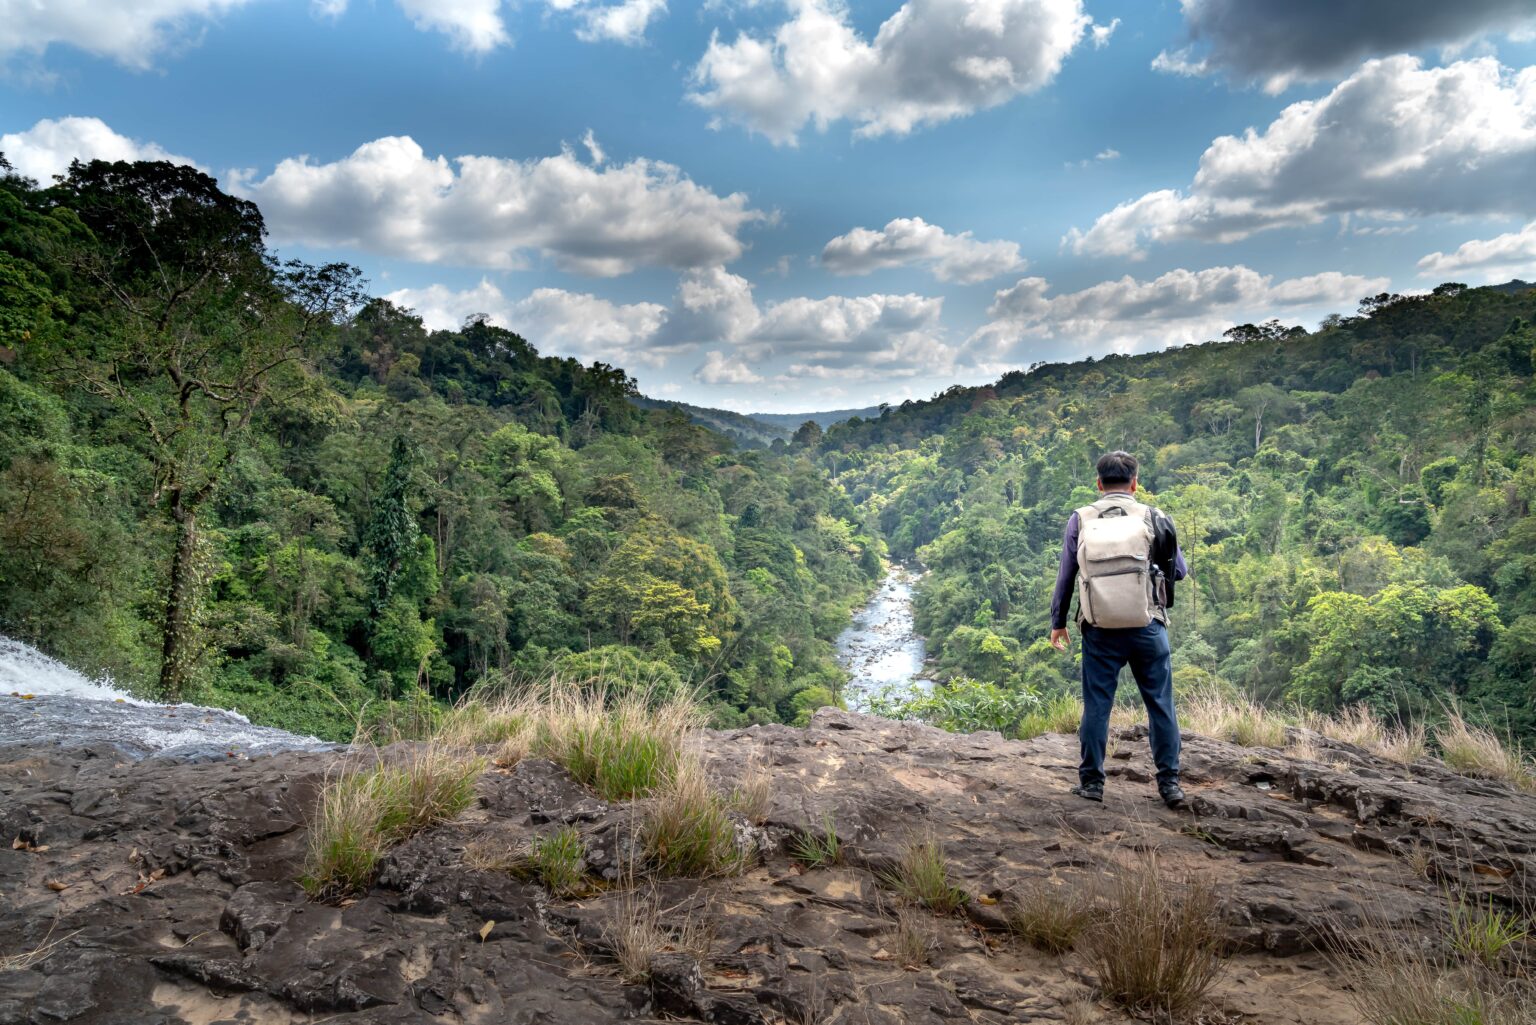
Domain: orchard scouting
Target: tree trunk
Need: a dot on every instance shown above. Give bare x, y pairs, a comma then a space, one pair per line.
178, 647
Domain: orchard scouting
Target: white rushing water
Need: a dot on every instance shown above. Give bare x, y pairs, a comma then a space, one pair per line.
46, 704
881, 649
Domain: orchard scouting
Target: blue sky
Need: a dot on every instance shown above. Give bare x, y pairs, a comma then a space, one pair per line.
783, 205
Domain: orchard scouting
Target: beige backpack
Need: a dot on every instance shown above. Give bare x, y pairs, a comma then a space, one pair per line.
1114, 564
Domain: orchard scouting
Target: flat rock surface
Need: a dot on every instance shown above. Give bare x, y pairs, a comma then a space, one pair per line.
163, 891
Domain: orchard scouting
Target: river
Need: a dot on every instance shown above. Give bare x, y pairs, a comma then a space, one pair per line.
881, 649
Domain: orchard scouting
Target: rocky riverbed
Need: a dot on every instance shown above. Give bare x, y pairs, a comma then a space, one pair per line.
154, 891
881, 649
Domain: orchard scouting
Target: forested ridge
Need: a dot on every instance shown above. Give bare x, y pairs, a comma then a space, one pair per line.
1355, 503
244, 482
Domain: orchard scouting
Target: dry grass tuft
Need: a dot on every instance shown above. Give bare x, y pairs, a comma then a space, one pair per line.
1238, 721
915, 941
1403, 744
28, 959
362, 813
1124, 716
753, 796
636, 927
1048, 918
1399, 981
1155, 945
1474, 751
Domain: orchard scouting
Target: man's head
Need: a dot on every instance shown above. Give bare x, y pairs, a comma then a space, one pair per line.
1117, 472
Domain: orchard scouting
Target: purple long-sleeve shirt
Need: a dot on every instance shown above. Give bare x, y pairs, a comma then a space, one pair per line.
1066, 575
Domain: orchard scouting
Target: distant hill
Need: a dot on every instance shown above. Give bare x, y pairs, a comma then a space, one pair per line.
1513, 287
756, 429
746, 431
789, 421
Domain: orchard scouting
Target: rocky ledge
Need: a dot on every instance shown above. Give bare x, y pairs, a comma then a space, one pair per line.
162, 892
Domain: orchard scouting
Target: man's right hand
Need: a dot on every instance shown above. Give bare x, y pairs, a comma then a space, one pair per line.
1059, 639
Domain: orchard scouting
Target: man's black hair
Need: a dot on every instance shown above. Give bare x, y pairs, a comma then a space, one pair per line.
1117, 468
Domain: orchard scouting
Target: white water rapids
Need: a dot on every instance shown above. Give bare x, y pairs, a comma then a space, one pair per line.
46, 704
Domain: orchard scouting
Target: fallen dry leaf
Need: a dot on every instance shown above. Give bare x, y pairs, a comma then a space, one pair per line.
988, 901
55, 885
485, 930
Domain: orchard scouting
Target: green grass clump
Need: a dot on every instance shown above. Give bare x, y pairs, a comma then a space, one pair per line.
1483, 933
362, 813
686, 830
817, 849
1061, 714
922, 876
556, 859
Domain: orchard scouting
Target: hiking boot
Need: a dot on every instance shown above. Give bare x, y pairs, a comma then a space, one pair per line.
1089, 791
1172, 794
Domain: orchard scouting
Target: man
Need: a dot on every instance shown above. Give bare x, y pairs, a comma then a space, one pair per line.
1125, 557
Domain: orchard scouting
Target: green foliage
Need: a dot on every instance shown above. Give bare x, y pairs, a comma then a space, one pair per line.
1356, 504
964, 705
246, 482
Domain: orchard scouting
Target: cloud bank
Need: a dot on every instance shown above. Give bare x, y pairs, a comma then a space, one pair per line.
389, 197
1395, 138
1277, 42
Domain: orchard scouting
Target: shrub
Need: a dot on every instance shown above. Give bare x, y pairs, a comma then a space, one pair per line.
1155, 945
962, 705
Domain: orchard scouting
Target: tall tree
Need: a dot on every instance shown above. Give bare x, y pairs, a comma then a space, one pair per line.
188, 325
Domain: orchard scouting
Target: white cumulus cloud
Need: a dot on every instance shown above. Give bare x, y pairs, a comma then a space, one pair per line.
131, 32
718, 368
46, 149
473, 26
1394, 139
931, 61
623, 22
1128, 315
912, 241
1512, 254
389, 197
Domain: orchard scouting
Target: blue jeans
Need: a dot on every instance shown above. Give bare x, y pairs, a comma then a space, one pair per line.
1104, 653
